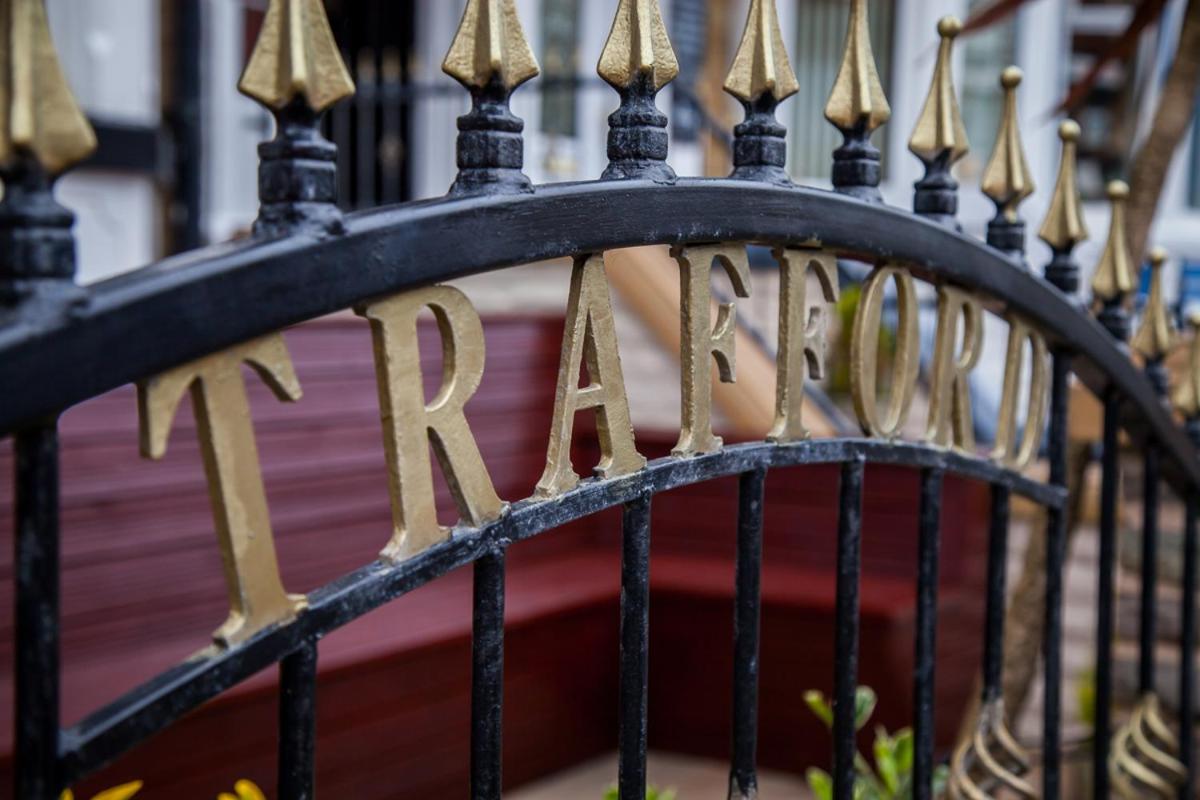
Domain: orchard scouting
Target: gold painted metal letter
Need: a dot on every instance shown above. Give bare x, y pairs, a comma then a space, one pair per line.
411, 427
700, 341
590, 338
864, 353
256, 596
801, 335
950, 422
1008, 451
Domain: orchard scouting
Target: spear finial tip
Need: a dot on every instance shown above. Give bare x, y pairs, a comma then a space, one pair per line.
949, 26
1118, 190
1158, 256
1011, 77
1069, 130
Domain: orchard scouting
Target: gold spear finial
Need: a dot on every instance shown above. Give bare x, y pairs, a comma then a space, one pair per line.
940, 127
1156, 332
1187, 394
857, 94
761, 64
490, 44
39, 117
1064, 227
1006, 180
638, 44
296, 56
1114, 276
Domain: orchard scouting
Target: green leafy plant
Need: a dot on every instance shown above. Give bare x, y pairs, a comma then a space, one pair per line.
890, 778
652, 793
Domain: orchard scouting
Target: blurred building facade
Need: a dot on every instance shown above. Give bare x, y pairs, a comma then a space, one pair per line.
157, 98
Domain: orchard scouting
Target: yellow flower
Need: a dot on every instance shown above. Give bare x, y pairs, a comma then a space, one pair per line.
122, 792
246, 790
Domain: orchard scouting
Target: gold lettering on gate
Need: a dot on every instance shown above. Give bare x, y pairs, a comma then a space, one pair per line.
411, 427
590, 338
864, 353
1008, 450
801, 350
950, 422
257, 598
701, 341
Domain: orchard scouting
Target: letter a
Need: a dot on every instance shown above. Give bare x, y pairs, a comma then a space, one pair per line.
590, 338
410, 426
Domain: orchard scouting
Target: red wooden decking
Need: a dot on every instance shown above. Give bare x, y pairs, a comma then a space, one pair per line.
142, 589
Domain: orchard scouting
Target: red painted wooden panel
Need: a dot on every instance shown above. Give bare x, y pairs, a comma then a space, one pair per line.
142, 589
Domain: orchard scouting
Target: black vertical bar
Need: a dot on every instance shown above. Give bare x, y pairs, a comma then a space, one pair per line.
391, 136
1056, 550
487, 678
341, 135
1106, 591
743, 782
1187, 651
926, 644
37, 613
997, 580
297, 722
635, 629
184, 118
845, 675
1148, 635
366, 103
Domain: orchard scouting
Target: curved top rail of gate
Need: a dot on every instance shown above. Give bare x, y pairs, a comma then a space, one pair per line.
61, 344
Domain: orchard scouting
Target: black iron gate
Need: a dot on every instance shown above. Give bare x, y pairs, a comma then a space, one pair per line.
189, 322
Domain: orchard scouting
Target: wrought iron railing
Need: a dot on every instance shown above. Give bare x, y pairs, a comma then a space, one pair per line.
189, 323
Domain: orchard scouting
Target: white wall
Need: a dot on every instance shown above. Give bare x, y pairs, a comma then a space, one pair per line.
109, 51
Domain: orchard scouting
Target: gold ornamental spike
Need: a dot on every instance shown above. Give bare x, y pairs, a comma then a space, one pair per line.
1064, 227
1114, 276
1186, 397
296, 56
857, 94
39, 117
1156, 332
490, 44
638, 44
940, 127
1006, 180
761, 65
1144, 760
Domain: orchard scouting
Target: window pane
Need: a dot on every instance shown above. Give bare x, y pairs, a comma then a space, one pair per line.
820, 36
985, 54
560, 56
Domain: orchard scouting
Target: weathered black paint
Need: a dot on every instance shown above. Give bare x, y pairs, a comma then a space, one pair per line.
487, 677
846, 619
35, 488
1056, 552
491, 150
929, 537
856, 165
1110, 479
298, 722
743, 782
760, 144
997, 575
635, 648
935, 196
637, 136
